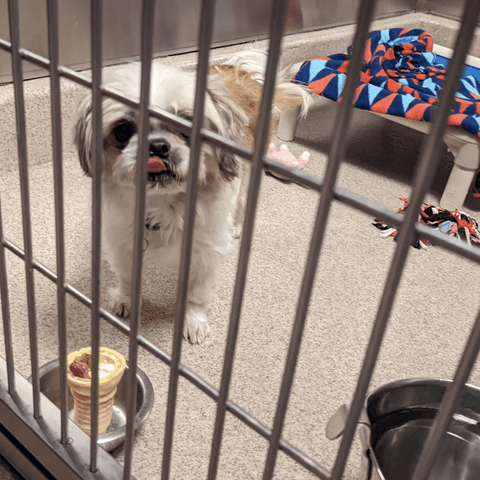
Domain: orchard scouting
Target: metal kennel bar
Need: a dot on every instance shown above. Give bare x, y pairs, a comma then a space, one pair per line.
429, 158
36, 428
146, 57
261, 139
6, 320
96, 49
52, 17
205, 40
337, 152
25, 196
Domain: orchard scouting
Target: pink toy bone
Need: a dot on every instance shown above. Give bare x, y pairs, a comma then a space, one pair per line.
284, 156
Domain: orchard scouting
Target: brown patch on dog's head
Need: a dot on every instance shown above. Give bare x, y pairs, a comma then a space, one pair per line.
246, 92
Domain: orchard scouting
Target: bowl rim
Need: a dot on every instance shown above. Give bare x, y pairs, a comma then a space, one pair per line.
379, 402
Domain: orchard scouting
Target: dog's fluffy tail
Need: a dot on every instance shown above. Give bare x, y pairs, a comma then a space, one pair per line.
288, 94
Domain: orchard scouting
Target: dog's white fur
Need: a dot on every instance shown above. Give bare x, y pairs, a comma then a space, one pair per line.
219, 182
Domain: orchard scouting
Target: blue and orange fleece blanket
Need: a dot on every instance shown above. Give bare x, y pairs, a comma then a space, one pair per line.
399, 77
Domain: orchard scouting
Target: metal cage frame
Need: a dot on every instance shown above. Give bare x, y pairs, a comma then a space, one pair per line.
29, 425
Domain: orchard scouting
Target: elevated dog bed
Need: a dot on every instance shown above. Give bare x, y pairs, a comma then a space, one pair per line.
400, 80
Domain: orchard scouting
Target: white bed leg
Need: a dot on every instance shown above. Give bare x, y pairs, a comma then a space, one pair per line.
465, 165
287, 125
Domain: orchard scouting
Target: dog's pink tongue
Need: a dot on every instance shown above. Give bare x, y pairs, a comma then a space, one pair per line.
155, 164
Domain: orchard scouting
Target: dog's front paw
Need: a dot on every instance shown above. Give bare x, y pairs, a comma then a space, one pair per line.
120, 304
196, 328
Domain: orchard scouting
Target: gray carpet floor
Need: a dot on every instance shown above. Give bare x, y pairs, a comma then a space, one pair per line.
435, 305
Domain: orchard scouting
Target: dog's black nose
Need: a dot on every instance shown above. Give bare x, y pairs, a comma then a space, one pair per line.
160, 148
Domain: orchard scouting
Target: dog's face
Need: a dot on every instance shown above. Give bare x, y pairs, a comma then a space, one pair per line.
169, 153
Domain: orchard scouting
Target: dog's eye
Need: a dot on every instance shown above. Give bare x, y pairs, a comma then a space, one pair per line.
185, 137
122, 133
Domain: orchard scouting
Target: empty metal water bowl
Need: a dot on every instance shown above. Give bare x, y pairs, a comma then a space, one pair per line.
115, 434
395, 425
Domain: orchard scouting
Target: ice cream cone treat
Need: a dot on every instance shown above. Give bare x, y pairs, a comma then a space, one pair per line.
112, 365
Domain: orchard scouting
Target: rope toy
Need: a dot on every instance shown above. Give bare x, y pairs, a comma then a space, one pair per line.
453, 223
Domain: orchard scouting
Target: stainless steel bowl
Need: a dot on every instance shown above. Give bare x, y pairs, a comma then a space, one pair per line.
402, 415
395, 424
115, 434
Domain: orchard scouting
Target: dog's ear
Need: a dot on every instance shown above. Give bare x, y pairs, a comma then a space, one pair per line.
231, 125
83, 134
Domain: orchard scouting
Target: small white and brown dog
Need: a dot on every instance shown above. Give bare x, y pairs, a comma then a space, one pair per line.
231, 108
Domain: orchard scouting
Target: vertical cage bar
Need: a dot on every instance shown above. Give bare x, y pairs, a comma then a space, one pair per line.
279, 9
205, 40
25, 197
337, 152
454, 391
429, 157
147, 24
96, 49
7, 325
52, 16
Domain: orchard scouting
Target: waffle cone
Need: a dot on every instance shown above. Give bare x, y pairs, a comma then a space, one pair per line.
112, 367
